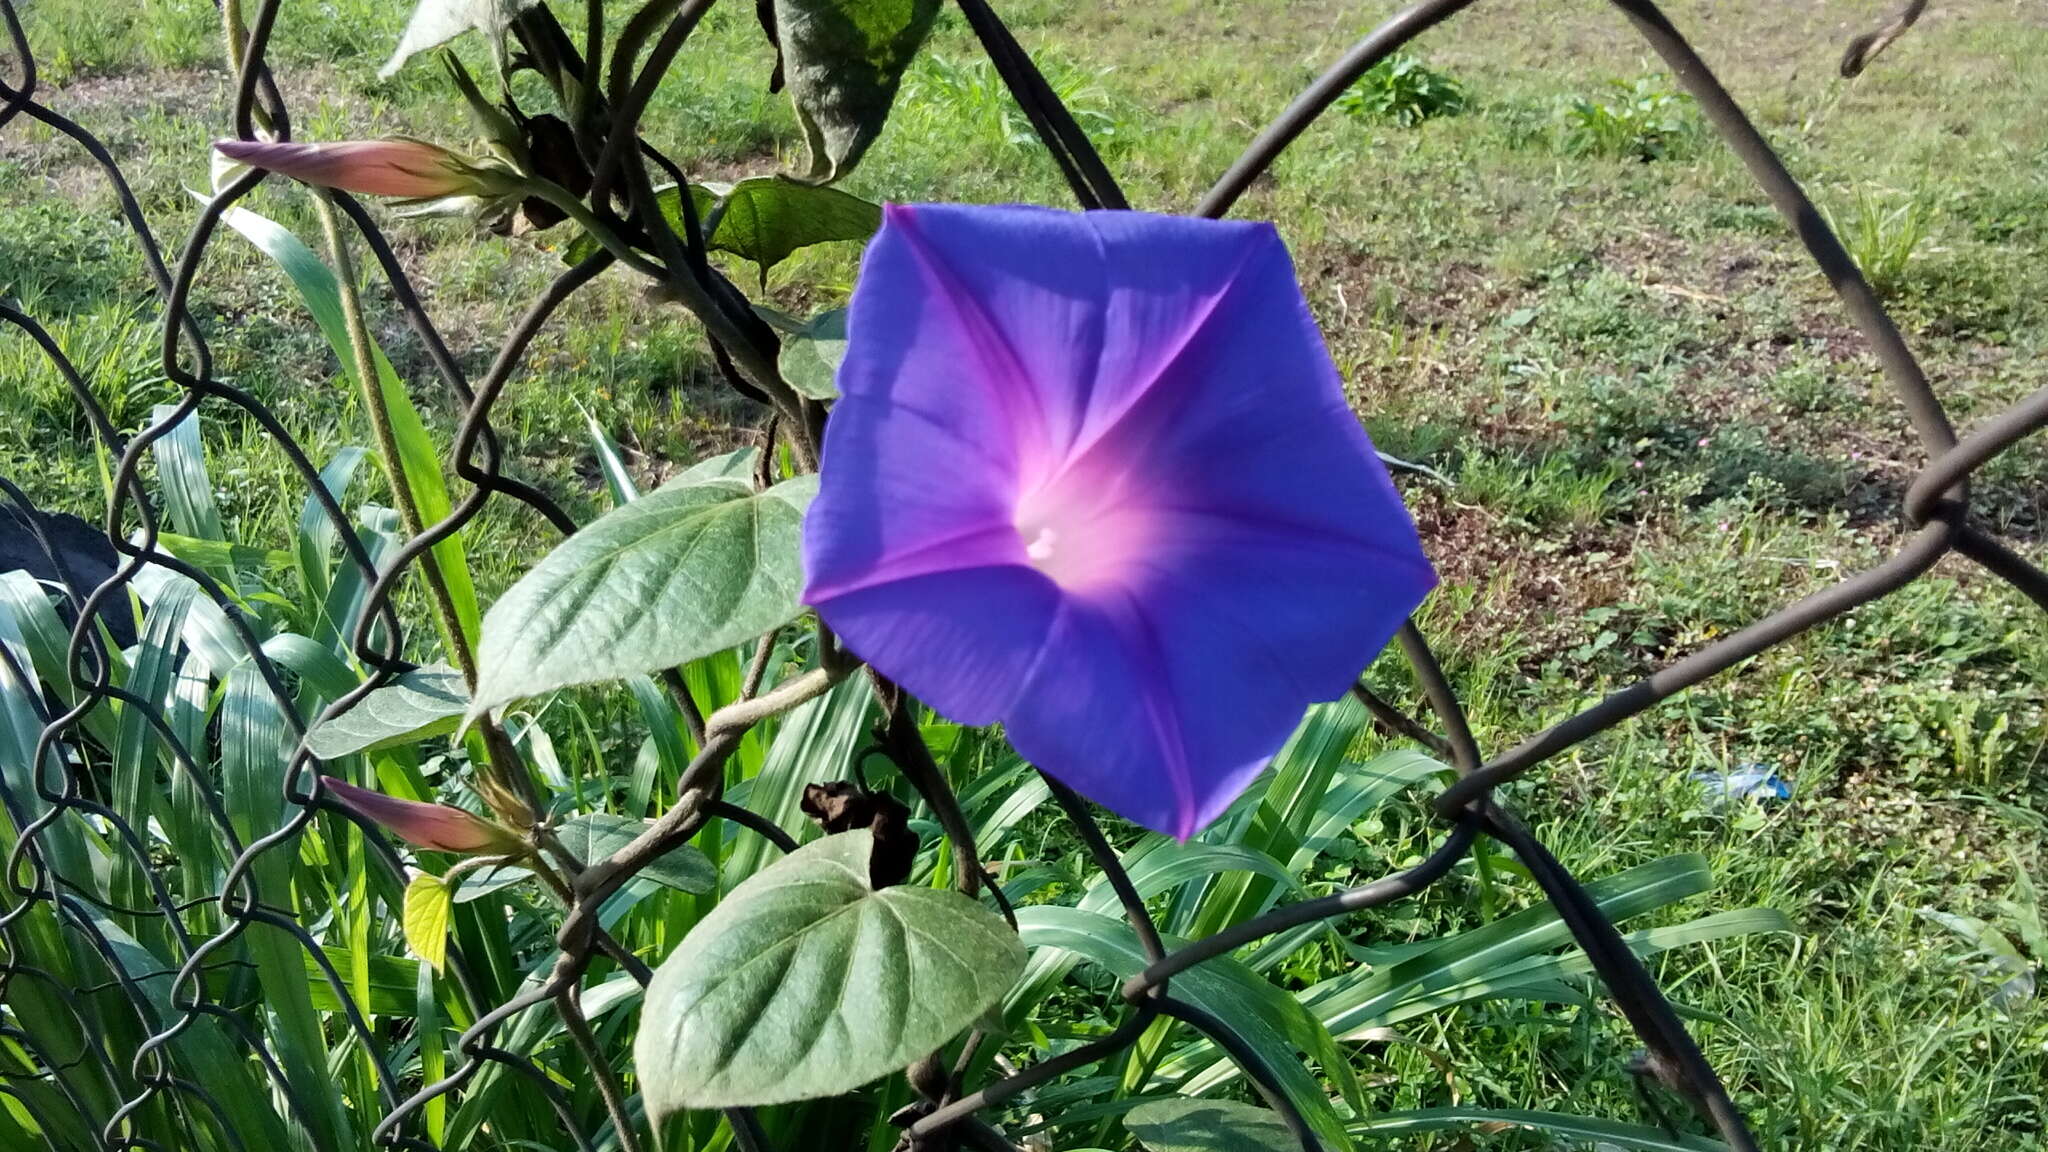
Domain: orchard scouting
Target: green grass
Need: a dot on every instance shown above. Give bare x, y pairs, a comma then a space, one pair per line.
1882, 233
1656, 424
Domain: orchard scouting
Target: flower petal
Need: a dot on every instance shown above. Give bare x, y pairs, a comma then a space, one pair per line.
962, 641
1021, 337
1079, 311
898, 484
1265, 622
1162, 707
921, 450
1097, 712
1305, 610
1249, 418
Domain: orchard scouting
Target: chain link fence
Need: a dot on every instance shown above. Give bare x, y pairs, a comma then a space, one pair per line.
1937, 504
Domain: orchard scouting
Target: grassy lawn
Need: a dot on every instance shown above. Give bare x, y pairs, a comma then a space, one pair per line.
1654, 422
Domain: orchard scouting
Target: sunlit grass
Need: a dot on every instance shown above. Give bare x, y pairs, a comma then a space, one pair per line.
1655, 425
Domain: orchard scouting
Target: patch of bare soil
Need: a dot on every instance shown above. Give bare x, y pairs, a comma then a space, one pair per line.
110, 106
1539, 583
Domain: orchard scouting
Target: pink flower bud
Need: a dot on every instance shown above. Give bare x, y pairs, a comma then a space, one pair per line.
435, 826
405, 168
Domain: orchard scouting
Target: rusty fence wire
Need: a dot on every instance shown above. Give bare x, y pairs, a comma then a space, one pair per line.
1937, 504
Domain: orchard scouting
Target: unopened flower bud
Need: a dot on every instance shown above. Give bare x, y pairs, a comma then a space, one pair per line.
439, 827
410, 169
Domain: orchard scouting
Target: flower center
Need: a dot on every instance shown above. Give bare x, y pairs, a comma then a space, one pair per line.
1082, 531
1041, 547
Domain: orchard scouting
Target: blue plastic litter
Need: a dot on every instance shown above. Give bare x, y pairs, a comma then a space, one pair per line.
1746, 782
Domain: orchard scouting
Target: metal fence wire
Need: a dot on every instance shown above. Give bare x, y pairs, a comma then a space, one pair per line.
1937, 504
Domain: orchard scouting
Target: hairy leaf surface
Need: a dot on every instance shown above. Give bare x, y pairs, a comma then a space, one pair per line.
807, 982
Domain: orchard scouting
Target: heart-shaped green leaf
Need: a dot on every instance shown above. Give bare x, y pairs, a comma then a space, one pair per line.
428, 902
423, 703
594, 836
764, 219
697, 566
1186, 1124
843, 60
811, 353
808, 982
767, 218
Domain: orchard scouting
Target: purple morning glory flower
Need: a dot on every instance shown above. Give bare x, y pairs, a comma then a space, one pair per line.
1093, 476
